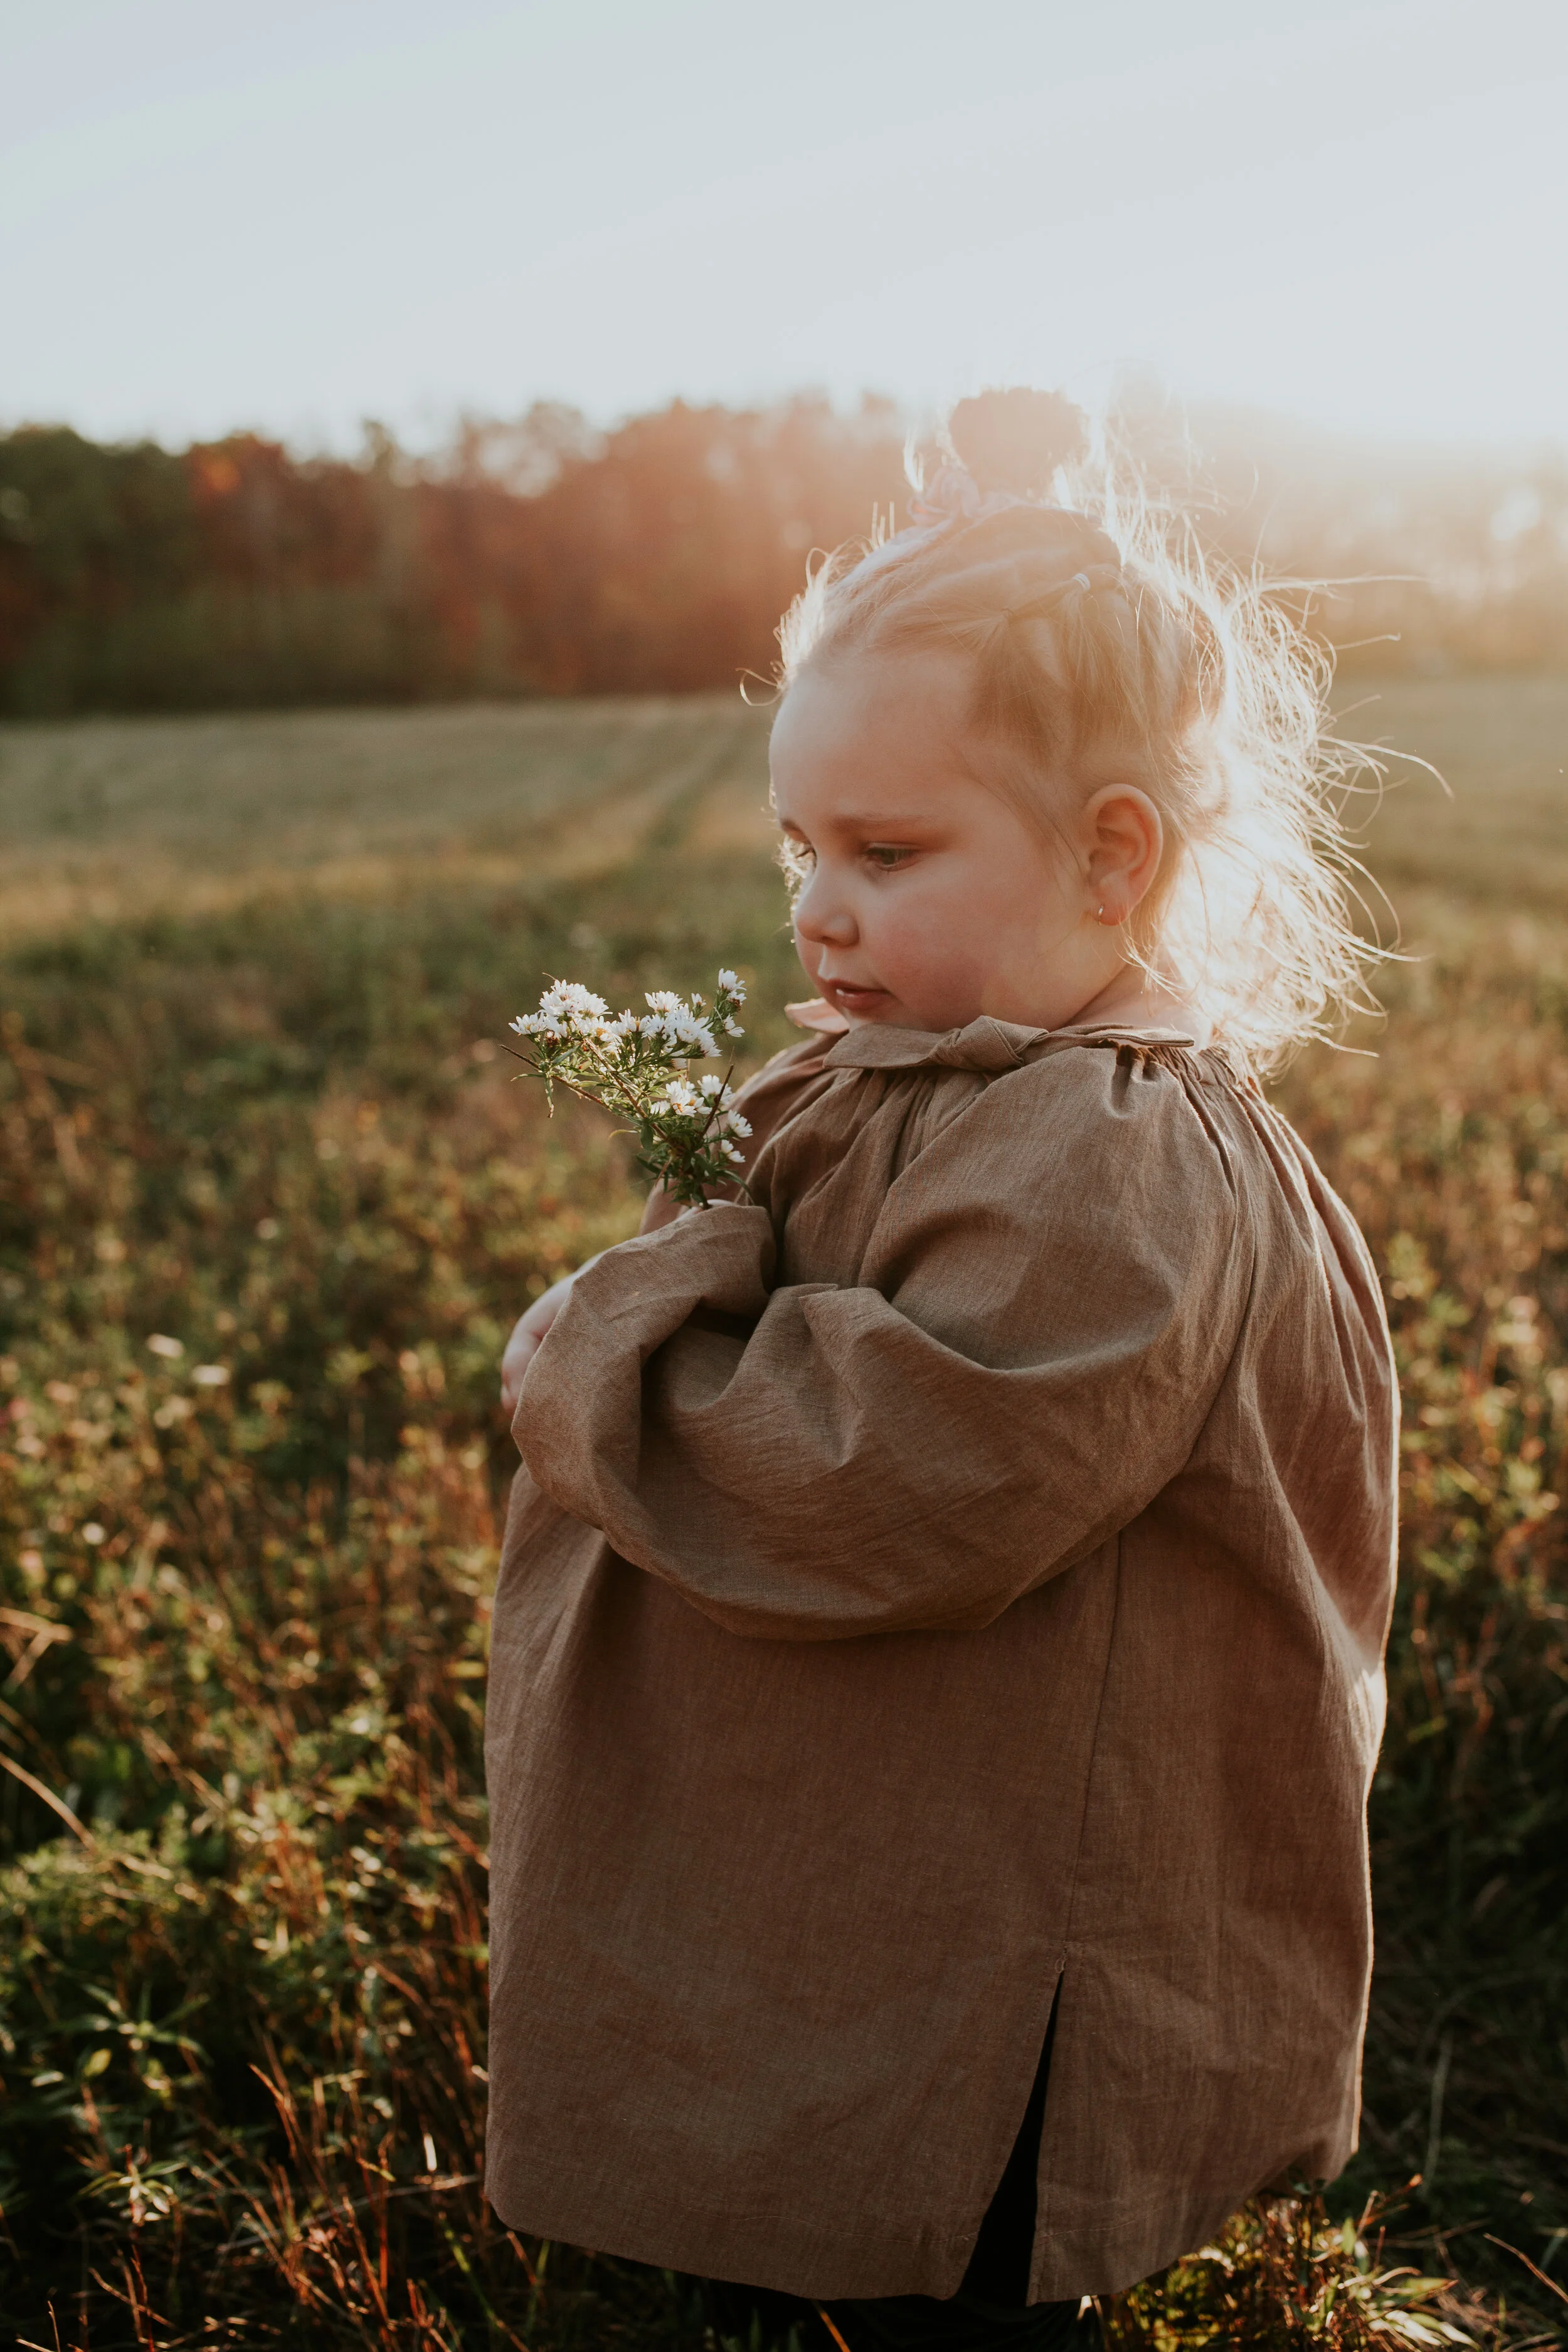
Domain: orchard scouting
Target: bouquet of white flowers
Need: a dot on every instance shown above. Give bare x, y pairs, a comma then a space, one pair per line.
638, 1067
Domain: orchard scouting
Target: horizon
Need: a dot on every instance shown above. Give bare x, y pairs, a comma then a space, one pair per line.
1350, 230
1216, 428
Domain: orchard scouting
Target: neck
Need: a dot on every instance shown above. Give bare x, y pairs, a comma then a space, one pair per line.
1131, 1000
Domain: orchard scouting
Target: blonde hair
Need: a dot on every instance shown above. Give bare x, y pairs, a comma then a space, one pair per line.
1104, 648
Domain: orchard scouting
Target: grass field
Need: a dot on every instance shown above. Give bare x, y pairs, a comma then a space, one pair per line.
252, 972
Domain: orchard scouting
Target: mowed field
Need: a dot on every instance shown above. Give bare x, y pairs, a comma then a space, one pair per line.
254, 974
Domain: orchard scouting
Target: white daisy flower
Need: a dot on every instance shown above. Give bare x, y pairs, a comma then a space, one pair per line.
578, 999
689, 1125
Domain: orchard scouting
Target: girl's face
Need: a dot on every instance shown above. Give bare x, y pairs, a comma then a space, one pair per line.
929, 897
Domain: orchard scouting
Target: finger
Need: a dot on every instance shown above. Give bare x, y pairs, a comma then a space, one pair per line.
520, 1351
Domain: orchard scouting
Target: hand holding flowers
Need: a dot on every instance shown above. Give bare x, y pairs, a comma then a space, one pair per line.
638, 1065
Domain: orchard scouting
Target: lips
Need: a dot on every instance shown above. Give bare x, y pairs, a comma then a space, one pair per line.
853, 1000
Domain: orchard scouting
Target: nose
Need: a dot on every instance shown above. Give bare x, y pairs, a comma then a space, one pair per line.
821, 914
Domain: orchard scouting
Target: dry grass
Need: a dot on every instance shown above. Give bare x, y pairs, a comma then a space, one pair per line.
1501, 745
108, 820
241, 2016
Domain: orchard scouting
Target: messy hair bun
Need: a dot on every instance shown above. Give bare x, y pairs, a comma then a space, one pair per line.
1014, 440
1103, 645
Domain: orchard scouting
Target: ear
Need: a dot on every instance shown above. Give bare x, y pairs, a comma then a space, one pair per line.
1123, 842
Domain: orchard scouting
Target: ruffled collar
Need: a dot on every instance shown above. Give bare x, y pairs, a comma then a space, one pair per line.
990, 1047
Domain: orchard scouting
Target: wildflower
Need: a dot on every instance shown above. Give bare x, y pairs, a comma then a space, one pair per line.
638, 1067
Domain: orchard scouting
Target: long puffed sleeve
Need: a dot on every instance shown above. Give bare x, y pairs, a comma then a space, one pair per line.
1050, 1295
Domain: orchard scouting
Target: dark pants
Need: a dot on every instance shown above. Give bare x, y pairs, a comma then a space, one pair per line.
990, 2312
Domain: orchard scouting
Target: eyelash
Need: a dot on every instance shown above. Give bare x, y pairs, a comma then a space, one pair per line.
799, 858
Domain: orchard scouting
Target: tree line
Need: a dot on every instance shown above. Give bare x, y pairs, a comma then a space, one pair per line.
543, 556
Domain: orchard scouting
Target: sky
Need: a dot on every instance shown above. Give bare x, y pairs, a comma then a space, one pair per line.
294, 217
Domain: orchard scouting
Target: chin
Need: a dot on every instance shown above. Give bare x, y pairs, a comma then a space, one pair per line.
903, 1016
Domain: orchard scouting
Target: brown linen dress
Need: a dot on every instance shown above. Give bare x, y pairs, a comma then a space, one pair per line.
995, 1567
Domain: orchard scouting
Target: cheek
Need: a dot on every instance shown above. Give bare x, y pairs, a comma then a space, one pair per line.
972, 901
928, 926
1029, 897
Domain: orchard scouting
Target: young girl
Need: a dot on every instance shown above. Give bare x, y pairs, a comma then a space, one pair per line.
937, 1657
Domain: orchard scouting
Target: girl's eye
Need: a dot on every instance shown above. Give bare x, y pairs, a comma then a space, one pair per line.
887, 855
